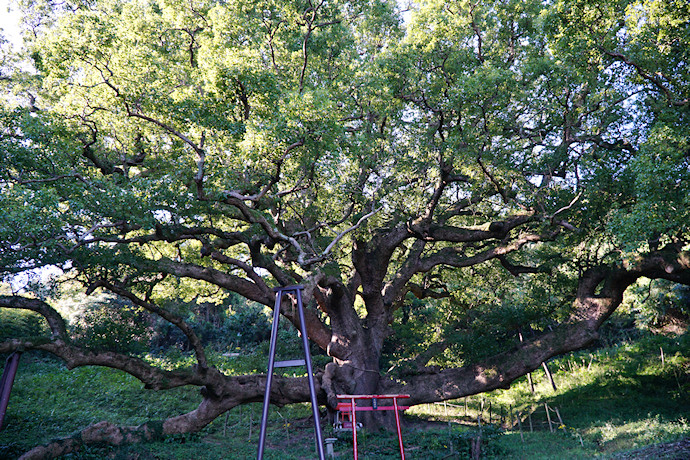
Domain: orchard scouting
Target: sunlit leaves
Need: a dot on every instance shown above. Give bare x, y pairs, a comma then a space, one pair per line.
661, 190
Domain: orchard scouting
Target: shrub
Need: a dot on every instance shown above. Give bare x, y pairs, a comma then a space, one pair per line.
21, 323
248, 326
113, 325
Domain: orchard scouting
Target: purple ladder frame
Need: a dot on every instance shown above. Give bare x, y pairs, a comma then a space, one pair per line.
8, 375
272, 364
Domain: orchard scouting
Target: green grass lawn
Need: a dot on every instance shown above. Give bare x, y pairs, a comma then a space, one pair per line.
610, 401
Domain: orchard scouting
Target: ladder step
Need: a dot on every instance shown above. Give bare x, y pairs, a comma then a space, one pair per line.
290, 363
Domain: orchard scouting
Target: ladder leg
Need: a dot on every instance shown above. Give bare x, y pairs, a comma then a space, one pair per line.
8, 375
310, 377
269, 376
397, 424
354, 428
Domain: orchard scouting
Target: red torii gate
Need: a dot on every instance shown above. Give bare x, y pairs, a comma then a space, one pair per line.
351, 408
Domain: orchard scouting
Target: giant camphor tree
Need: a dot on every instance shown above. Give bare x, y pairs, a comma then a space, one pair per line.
242, 145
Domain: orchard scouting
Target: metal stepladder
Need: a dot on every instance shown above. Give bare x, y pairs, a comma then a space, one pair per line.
272, 364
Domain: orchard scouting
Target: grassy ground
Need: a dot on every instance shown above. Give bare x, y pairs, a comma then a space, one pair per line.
610, 403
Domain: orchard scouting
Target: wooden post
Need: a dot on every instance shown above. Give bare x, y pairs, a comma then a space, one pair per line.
251, 422
519, 419
548, 375
560, 420
548, 416
450, 437
529, 374
529, 418
531, 383
450, 440
476, 447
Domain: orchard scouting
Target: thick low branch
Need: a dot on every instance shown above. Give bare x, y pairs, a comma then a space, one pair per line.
220, 392
492, 230
516, 270
497, 372
591, 309
242, 286
454, 257
75, 356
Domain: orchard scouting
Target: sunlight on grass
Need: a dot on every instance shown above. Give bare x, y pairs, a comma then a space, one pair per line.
638, 433
637, 396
